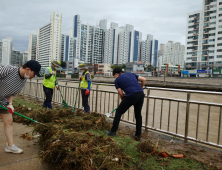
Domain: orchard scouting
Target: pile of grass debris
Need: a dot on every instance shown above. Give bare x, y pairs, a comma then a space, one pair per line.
67, 143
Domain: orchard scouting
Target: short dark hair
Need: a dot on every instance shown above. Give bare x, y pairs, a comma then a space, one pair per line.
117, 70
24, 66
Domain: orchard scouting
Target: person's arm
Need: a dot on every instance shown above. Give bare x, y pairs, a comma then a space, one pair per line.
10, 106
120, 91
142, 80
89, 80
47, 74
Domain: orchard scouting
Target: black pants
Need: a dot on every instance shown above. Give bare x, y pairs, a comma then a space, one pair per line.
85, 100
48, 94
136, 99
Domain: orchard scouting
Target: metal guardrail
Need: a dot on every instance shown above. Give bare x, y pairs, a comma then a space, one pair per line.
104, 101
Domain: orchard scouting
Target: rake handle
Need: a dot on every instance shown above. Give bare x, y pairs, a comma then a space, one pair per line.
20, 115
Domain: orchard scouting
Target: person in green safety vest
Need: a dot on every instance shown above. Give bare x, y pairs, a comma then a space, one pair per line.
85, 86
49, 83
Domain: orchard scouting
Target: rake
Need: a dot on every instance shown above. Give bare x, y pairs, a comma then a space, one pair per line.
23, 116
108, 114
64, 104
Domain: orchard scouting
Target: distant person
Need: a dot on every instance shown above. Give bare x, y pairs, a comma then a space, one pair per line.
49, 83
12, 80
134, 95
85, 85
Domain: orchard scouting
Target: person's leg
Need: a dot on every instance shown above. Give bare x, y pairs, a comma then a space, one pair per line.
48, 94
44, 103
137, 110
8, 128
123, 107
85, 101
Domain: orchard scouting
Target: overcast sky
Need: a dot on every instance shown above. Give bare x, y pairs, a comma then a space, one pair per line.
164, 19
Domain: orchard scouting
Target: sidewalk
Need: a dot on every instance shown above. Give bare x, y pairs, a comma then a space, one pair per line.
25, 161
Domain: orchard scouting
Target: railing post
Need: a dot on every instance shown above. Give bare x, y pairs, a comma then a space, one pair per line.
187, 117
30, 89
96, 97
65, 91
37, 89
79, 98
147, 110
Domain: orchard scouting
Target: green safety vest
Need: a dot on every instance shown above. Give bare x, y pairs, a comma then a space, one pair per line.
84, 82
50, 83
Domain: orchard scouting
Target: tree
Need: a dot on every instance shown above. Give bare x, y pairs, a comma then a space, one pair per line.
150, 68
63, 64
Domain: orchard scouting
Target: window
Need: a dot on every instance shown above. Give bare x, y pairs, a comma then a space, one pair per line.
220, 9
212, 34
220, 26
219, 44
220, 3
211, 51
212, 23
220, 38
212, 17
220, 15
219, 50
211, 57
220, 32
219, 56
191, 21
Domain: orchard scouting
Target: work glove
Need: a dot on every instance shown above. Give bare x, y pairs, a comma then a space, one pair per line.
80, 78
57, 87
11, 108
53, 72
87, 92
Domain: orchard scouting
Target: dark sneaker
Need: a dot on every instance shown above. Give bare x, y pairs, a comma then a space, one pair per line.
110, 133
136, 137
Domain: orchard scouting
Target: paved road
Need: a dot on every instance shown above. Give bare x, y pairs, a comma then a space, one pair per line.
25, 161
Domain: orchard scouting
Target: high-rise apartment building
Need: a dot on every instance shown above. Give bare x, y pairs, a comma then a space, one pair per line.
1, 53
49, 41
174, 54
32, 47
62, 46
204, 37
89, 41
122, 44
24, 57
6, 50
149, 50
16, 59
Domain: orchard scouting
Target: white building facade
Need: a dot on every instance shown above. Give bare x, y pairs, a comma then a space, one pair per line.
204, 37
6, 51
49, 41
90, 41
174, 54
32, 47
1, 53
122, 44
149, 50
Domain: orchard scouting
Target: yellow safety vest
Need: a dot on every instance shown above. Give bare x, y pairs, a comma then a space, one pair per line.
50, 83
84, 83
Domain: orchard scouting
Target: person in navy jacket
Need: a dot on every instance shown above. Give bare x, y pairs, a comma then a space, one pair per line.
134, 95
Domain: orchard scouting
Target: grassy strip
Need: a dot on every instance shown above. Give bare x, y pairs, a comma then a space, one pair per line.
139, 160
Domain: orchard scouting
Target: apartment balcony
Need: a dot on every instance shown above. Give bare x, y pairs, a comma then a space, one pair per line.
195, 33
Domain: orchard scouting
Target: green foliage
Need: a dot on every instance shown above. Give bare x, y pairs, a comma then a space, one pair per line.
123, 66
150, 68
63, 64
61, 75
75, 75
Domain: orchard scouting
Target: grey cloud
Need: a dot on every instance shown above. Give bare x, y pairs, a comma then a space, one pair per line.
165, 19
